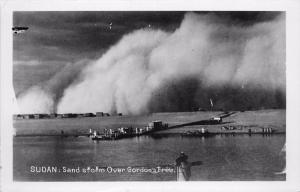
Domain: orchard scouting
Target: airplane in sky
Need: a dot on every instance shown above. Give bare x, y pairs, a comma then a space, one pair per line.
18, 29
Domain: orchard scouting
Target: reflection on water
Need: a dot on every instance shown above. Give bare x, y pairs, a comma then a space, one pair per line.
239, 157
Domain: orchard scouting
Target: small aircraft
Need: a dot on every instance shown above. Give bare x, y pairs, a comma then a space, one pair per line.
18, 29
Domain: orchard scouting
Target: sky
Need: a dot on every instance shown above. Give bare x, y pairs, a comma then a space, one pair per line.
57, 38
58, 41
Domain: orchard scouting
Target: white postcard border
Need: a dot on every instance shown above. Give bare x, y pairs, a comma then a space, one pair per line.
292, 8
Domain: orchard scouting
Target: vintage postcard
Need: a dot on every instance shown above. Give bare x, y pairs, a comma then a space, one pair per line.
137, 95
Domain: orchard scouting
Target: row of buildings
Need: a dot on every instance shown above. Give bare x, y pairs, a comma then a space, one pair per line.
59, 116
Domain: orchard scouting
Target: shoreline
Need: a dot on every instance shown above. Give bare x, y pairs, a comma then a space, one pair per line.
155, 134
178, 123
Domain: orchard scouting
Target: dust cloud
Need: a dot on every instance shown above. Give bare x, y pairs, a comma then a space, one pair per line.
149, 70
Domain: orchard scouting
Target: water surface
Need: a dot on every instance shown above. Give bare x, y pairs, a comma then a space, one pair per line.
240, 157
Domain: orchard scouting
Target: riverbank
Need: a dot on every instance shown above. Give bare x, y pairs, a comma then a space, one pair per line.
240, 122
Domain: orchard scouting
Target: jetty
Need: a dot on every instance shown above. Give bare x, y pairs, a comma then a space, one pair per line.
126, 132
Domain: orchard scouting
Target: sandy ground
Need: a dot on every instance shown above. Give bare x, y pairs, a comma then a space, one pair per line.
242, 121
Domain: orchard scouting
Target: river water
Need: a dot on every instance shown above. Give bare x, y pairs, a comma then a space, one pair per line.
224, 158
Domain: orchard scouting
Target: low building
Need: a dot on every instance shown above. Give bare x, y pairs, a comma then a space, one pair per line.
80, 115
69, 115
27, 116
45, 116
99, 114
37, 116
52, 115
88, 115
155, 125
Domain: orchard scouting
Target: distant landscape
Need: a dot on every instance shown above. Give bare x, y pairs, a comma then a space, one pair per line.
275, 119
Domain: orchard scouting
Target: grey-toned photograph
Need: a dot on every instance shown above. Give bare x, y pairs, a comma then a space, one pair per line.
149, 95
